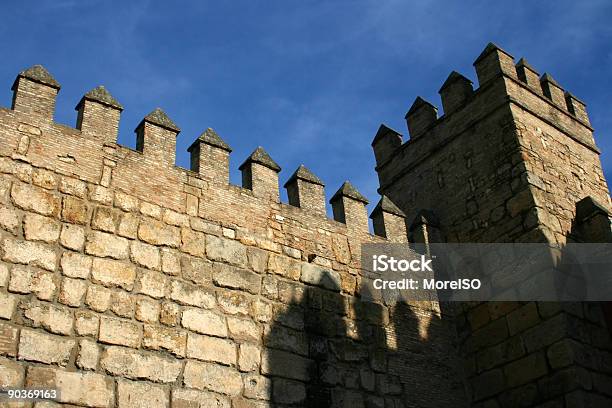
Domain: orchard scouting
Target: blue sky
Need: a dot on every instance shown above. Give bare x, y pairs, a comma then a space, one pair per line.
310, 81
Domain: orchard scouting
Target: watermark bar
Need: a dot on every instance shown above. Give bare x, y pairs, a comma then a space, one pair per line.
487, 272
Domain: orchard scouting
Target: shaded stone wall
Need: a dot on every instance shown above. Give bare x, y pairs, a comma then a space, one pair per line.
508, 162
126, 281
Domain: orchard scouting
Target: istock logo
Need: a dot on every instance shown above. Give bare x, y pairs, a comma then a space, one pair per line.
384, 263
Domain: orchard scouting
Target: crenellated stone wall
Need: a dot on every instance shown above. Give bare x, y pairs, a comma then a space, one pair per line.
126, 281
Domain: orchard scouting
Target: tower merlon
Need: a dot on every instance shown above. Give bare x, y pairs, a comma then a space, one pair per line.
98, 114
34, 93
385, 143
306, 191
455, 92
389, 221
526, 73
210, 156
577, 108
420, 117
493, 62
156, 137
349, 207
552, 90
260, 174
425, 228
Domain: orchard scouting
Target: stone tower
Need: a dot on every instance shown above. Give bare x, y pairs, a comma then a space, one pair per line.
511, 161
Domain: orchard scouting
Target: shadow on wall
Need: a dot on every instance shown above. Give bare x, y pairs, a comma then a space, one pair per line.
331, 350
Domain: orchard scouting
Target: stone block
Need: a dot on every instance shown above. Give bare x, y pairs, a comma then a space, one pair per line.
315, 275
193, 242
73, 187
9, 220
8, 302
76, 265
128, 225
140, 395
29, 253
284, 364
53, 318
82, 389
9, 339
12, 374
113, 273
170, 314
35, 199
25, 280
170, 262
120, 332
98, 298
89, 353
120, 361
213, 377
86, 323
288, 392
185, 398
249, 357
526, 369
226, 250
72, 292
44, 348
197, 270
204, 322
230, 277
75, 211
72, 237
211, 349
145, 255
284, 266
122, 304
186, 293
165, 339
105, 219
233, 302
126, 202
152, 283
243, 329
147, 310
157, 233
106, 245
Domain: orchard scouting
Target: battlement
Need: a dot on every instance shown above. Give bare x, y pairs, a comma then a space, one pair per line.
90, 152
501, 82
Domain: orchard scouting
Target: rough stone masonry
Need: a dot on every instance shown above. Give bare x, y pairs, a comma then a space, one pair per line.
126, 281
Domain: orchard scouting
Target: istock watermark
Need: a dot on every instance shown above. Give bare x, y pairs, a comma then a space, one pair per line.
488, 272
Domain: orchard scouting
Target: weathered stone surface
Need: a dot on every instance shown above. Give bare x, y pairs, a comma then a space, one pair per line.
119, 331
193, 242
232, 302
84, 389
44, 348
152, 283
9, 339
12, 374
75, 211
76, 265
105, 219
25, 280
204, 321
39, 228
184, 398
289, 392
98, 298
113, 273
249, 357
157, 233
73, 187
213, 377
86, 323
197, 270
140, 395
72, 291
35, 199
243, 329
88, 356
121, 303
167, 339
284, 364
29, 253
7, 305
235, 278
170, 314
211, 349
147, 310
136, 365
170, 262
284, 266
315, 275
72, 237
226, 250
186, 293
128, 225
53, 318
145, 255
9, 220
126, 202
106, 245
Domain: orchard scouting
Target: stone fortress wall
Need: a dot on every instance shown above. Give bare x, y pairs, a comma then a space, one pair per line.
126, 281
511, 161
